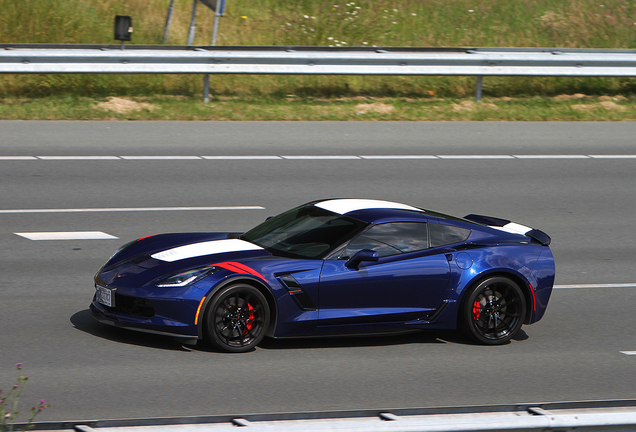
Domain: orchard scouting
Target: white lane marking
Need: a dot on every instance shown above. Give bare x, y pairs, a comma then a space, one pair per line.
630, 353
615, 285
127, 209
67, 235
321, 157
343, 206
551, 156
241, 157
205, 248
159, 157
317, 157
475, 156
399, 157
612, 156
78, 157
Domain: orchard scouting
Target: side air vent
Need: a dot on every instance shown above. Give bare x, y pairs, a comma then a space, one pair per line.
296, 291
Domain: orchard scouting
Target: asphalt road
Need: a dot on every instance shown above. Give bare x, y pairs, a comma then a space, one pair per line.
89, 371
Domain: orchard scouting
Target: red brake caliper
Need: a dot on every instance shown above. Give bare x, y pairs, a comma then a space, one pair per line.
476, 310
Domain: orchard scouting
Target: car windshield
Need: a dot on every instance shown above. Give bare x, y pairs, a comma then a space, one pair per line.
304, 232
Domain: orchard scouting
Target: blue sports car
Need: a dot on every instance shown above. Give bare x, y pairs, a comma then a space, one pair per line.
332, 267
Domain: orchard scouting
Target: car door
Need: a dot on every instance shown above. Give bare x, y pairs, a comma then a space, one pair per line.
407, 282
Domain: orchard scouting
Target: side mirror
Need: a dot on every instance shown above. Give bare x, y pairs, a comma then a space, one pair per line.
360, 256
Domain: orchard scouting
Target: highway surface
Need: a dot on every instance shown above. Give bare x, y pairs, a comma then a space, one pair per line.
576, 181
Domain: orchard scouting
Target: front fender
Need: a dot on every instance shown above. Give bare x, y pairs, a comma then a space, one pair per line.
243, 278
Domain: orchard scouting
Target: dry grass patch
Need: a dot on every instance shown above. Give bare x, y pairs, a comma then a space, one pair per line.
607, 105
564, 97
124, 105
472, 106
612, 106
380, 108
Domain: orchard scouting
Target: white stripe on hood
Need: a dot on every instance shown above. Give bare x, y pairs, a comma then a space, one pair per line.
204, 248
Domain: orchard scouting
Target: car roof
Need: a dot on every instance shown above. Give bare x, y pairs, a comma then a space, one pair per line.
373, 211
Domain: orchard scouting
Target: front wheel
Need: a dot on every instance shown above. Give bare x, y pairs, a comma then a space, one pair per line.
237, 318
493, 311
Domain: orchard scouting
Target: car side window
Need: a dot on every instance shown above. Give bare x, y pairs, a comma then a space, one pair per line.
445, 234
390, 239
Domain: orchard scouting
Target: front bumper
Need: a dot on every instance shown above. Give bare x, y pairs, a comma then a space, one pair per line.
170, 317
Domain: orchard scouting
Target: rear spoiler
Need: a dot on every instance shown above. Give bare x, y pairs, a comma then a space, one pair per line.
511, 227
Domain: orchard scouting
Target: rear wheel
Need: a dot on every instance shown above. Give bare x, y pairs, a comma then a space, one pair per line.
493, 311
237, 318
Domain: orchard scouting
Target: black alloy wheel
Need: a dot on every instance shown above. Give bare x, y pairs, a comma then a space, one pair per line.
493, 311
237, 318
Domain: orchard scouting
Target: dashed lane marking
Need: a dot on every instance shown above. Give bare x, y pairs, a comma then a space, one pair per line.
128, 209
629, 353
325, 157
78, 157
317, 157
159, 157
241, 157
613, 285
67, 235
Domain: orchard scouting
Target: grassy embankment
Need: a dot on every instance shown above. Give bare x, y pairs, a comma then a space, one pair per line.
519, 23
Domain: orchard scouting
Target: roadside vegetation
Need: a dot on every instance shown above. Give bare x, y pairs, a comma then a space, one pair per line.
468, 23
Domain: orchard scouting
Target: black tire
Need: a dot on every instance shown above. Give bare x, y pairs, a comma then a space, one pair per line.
237, 318
493, 311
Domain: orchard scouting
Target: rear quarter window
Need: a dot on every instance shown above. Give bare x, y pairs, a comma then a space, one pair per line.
446, 234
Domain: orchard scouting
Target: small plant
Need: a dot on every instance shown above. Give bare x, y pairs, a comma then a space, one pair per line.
9, 404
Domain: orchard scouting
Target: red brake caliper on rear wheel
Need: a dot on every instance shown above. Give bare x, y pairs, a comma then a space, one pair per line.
476, 310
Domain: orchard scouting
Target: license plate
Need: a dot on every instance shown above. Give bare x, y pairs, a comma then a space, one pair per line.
106, 296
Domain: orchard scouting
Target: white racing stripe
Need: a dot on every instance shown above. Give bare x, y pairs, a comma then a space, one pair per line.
67, 235
343, 206
205, 248
513, 228
128, 209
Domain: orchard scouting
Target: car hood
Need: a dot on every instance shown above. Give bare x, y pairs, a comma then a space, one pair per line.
167, 254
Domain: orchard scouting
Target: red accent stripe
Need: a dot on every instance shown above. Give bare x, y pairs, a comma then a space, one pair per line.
238, 268
152, 235
534, 299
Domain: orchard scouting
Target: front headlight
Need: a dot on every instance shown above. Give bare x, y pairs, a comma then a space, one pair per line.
186, 278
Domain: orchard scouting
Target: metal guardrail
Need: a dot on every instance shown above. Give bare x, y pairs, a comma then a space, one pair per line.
614, 415
480, 62
315, 61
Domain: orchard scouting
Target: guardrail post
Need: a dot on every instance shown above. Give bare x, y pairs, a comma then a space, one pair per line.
206, 88
480, 80
193, 24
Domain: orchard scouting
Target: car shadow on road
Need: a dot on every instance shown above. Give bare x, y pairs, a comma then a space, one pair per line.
419, 337
83, 321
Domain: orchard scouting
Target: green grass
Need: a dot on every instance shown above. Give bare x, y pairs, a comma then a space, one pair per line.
295, 108
517, 23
